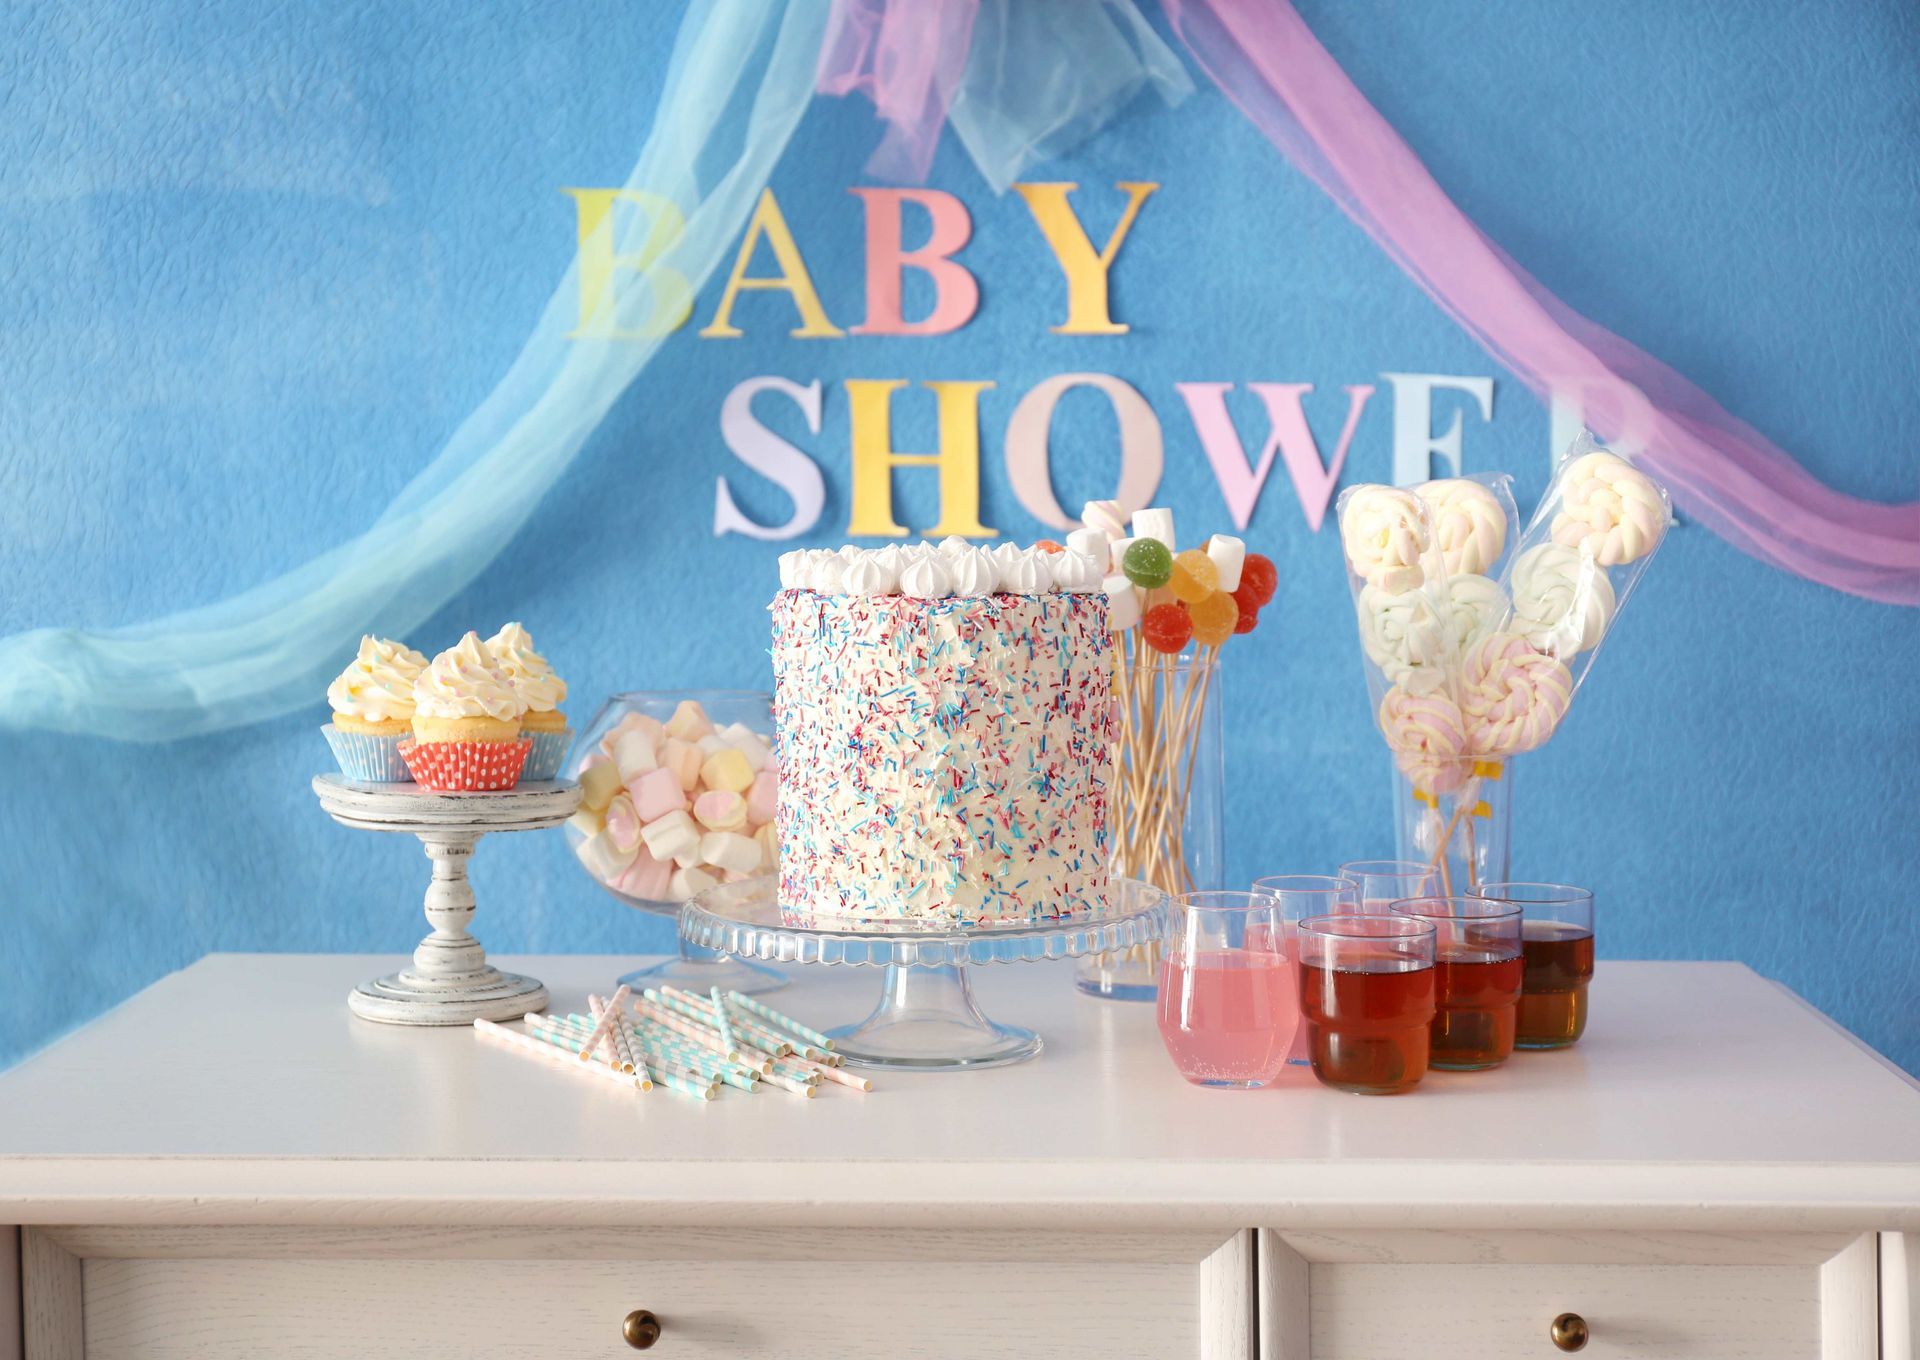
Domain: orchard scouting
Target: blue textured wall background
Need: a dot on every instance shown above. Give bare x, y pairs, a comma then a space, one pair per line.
258, 261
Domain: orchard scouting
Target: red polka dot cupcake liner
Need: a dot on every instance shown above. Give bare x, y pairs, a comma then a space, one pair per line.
466, 766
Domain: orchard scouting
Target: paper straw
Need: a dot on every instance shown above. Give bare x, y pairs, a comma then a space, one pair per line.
721, 1022
686, 1059
785, 1023
791, 1067
745, 1028
619, 1031
700, 1034
603, 1027
527, 1043
845, 1078
714, 1068
558, 1034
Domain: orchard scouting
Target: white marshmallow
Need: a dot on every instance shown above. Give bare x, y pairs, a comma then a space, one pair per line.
634, 754
1118, 551
1123, 603
1092, 543
1228, 554
730, 850
671, 835
688, 882
1154, 523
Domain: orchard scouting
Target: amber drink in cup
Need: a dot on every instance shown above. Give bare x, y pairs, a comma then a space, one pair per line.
1477, 969
1556, 944
1367, 998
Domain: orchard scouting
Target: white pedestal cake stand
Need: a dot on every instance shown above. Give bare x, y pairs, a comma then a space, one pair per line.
450, 982
926, 1019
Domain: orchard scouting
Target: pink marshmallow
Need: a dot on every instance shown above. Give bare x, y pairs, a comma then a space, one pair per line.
651, 728
645, 878
684, 759
623, 823
656, 793
719, 810
762, 797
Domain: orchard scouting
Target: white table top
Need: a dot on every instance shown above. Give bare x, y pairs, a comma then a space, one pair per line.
241, 1090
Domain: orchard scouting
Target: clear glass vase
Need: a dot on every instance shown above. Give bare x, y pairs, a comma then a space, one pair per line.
1458, 817
1167, 793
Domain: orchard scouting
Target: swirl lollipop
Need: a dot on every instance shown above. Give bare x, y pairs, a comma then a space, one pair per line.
1513, 697
1428, 738
1385, 533
1469, 524
1401, 634
1562, 599
1476, 606
1609, 509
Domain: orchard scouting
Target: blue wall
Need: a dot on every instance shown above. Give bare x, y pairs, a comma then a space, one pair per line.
257, 261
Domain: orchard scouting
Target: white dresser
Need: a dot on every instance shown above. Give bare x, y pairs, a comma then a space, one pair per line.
232, 1165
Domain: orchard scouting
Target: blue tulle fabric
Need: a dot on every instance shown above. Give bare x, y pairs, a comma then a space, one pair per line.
741, 76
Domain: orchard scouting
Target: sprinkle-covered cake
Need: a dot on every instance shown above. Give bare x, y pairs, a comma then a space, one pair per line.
942, 733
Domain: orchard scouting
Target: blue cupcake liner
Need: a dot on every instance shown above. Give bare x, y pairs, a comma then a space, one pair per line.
549, 750
375, 760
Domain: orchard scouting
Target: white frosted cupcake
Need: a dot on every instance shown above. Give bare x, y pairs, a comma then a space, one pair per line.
542, 690
372, 702
466, 722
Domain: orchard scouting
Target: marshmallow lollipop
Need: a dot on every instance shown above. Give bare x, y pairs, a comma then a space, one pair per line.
1609, 509
1401, 635
1385, 533
1562, 599
1513, 697
1476, 606
1469, 524
1428, 738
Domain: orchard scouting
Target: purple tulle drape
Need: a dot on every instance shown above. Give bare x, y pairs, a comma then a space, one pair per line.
1722, 472
908, 60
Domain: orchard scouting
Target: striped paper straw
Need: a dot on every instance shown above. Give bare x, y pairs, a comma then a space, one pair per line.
745, 1028
683, 1057
603, 1027
700, 1034
559, 1034
721, 1022
842, 1076
785, 1023
685, 1005
619, 1031
794, 1084
711, 1066
572, 1030
527, 1043
790, 1067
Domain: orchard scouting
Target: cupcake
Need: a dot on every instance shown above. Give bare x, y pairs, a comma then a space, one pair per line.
466, 723
541, 690
372, 701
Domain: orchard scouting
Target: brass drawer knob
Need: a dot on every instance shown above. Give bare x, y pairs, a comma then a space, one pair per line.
1569, 1331
641, 1329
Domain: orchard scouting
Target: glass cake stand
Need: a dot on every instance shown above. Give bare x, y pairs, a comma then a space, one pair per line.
927, 1018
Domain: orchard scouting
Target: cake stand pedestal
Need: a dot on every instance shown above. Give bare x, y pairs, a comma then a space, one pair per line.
926, 1018
450, 982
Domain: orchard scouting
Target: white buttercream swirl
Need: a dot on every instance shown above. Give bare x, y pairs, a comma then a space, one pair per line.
465, 681
1077, 573
378, 685
974, 574
873, 574
1022, 574
951, 568
530, 672
927, 578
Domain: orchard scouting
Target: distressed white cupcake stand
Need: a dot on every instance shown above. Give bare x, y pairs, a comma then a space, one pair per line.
926, 1019
450, 982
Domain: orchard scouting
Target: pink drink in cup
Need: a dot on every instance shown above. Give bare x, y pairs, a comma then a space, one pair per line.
1229, 994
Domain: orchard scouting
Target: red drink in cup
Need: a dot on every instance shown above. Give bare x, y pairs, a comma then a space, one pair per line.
1367, 991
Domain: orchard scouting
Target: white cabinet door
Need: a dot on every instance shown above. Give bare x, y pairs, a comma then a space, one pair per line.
1498, 1296
839, 1295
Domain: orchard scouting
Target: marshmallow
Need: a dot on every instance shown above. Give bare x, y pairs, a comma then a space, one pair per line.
623, 823
645, 878
604, 860
634, 754
652, 728
1154, 523
712, 744
769, 841
672, 835
689, 721
1116, 550
727, 769
599, 781
688, 882
729, 850
749, 745
656, 793
1228, 555
720, 810
1123, 603
683, 758
1092, 543
587, 821
762, 798
1106, 516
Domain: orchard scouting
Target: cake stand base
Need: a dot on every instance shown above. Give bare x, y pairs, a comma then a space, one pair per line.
450, 982
927, 1021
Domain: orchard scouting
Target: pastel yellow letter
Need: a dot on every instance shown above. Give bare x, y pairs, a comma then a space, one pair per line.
1086, 272
870, 412
672, 299
793, 277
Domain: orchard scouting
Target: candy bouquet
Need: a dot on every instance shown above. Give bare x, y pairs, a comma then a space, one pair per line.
1171, 612
1476, 637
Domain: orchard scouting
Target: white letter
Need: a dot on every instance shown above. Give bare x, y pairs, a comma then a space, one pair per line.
770, 456
1142, 455
1414, 442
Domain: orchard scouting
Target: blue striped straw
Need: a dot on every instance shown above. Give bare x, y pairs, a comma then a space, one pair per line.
681, 1056
721, 1022
779, 1021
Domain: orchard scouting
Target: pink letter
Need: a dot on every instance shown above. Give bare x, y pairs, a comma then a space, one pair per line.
1288, 434
956, 295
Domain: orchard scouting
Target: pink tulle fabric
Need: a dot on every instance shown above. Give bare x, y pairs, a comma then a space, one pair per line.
1722, 472
907, 59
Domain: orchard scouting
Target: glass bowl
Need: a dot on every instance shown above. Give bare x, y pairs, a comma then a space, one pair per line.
696, 969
